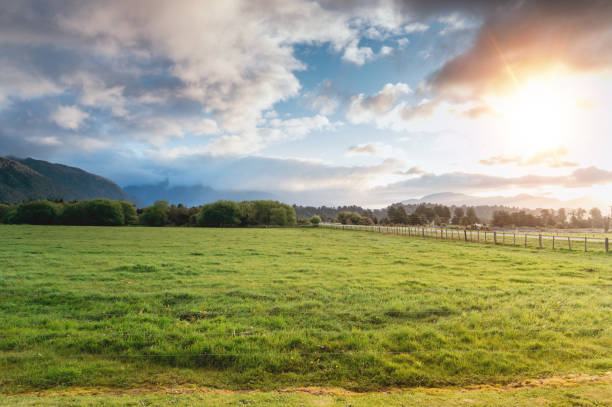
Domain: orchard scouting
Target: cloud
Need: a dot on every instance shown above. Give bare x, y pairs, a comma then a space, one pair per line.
413, 171
474, 182
95, 93
519, 38
69, 117
20, 84
552, 158
363, 109
476, 111
205, 127
140, 60
44, 141
324, 98
356, 54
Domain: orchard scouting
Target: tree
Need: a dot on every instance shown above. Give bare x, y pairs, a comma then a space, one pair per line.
343, 217
315, 220
561, 217
458, 214
129, 213
3, 211
36, 213
178, 215
471, 216
397, 214
596, 218
155, 215
278, 216
220, 213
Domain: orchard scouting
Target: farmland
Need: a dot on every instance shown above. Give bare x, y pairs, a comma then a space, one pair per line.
279, 308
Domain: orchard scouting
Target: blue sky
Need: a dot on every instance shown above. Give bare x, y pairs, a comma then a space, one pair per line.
319, 102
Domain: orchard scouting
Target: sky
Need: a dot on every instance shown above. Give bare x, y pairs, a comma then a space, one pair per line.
319, 102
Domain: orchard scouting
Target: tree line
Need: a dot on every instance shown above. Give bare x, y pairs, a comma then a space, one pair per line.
105, 212
423, 214
561, 219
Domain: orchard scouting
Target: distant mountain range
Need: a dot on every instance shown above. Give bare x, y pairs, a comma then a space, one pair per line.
189, 195
29, 179
518, 201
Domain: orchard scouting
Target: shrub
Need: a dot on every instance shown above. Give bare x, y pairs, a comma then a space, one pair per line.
97, 212
103, 212
129, 213
220, 213
178, 215
156, 215
278, 216
37, 213
3, 210
315, 220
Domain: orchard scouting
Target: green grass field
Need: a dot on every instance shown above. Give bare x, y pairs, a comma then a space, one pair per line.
131, 307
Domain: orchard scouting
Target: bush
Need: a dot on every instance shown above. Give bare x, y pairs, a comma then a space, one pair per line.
103, 212
156, 215
37, 213
278, 216
3, 211
220, 213
178, 215
315, 220
97, 212
129, 213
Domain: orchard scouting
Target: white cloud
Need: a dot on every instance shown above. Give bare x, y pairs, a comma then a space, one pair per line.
205, 127
297, 128
415, 27
95, 93
69, 117
385, 50
44, 140
356, 54
21, 84
403, 43
364, 109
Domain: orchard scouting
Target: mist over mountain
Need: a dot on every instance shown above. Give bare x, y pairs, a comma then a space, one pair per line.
29, 179
189, 195
518, 201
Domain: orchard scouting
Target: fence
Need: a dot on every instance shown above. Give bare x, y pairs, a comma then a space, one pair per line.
540, 241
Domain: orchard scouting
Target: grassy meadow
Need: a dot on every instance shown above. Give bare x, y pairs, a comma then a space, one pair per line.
267, 309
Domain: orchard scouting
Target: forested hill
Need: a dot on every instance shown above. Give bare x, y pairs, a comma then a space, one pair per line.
29, 179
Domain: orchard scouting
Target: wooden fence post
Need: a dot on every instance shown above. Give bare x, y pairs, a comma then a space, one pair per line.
607, 247
585, 243
465, 234
485, 236
525, 240
494, 237
540, 240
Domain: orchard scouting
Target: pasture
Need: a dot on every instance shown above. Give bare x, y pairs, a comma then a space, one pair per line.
269, 309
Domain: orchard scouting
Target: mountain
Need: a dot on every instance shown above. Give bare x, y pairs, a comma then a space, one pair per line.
189, 195
520, 201
29, 179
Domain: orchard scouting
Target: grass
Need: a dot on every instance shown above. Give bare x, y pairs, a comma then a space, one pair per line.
277, 308
583, 395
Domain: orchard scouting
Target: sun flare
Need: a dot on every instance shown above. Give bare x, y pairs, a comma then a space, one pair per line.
539, 114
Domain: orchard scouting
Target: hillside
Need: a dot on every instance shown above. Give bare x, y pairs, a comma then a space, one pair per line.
30, 179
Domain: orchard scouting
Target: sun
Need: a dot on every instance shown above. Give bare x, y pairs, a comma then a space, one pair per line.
538, 114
